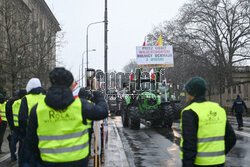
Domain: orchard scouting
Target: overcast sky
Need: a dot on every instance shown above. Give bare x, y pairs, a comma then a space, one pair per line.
129, 22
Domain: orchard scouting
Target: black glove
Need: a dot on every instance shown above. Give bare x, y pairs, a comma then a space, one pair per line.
98, 96
85, 93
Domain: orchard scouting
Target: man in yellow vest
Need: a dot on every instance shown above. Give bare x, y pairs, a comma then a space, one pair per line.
58, 129
206, 134
35, 93
12, 110
3, 123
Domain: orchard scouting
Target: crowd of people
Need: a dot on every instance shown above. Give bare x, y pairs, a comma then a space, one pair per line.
53, 128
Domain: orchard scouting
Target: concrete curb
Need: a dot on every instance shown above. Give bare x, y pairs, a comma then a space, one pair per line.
115, 155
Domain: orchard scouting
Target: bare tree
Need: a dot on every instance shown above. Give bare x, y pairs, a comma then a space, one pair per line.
131, 66
15, 39
213, 36
44, 58
222, 30
28, 45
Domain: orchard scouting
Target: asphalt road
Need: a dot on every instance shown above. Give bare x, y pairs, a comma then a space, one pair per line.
151, 147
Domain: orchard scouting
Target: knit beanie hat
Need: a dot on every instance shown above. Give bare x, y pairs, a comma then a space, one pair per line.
61, 76
196, 87
33, 83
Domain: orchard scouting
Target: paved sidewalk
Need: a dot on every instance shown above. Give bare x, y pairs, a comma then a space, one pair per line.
114, 154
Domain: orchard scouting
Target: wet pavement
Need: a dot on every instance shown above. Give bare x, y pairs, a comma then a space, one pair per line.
151, 147
147, 148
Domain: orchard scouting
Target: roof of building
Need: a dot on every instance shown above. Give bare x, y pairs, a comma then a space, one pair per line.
48, 11
51, 14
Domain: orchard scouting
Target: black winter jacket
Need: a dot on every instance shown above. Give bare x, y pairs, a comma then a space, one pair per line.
9, 113
238, 105
189, 134
60, 97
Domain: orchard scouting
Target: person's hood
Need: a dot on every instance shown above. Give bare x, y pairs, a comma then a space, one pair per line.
33, 83
38, 90
59, 97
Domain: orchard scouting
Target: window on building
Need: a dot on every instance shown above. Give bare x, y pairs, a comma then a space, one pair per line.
234, 89
245, 90
229, 90
223, 89
239, 89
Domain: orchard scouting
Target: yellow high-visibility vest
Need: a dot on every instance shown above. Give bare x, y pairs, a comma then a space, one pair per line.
33, 99
15, 110
3, 111
211, 133
62, 135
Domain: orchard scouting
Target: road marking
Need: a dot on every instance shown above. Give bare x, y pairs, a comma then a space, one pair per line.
243, 133
4, 157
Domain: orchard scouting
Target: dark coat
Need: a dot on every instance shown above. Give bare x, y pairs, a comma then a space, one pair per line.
60, 97
9, 113
189, 134
238, 105
23, 113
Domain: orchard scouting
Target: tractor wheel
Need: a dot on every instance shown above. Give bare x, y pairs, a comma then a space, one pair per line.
156, 123
178, 107
124, 115
134, 119
168, 113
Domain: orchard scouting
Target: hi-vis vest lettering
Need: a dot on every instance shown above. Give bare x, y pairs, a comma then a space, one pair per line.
211, 133
15, 109
2, 111
62, 135
33, 99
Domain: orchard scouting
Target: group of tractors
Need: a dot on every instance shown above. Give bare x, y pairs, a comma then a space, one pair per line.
145, 100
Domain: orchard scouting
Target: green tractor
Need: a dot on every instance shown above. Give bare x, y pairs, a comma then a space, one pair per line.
146, 103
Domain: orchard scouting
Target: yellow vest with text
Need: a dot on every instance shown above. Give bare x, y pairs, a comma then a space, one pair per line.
62, 135
33, 99
211, 133
15, 110
3, 111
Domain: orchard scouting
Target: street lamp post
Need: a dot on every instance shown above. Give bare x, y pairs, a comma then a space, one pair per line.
87, 40
92, 50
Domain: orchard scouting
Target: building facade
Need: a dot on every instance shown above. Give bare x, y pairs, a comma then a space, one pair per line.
28, 42
241, 86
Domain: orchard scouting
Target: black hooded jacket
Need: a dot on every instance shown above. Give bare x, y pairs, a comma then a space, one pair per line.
189, 134
60, 97
23, 112
9, 113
